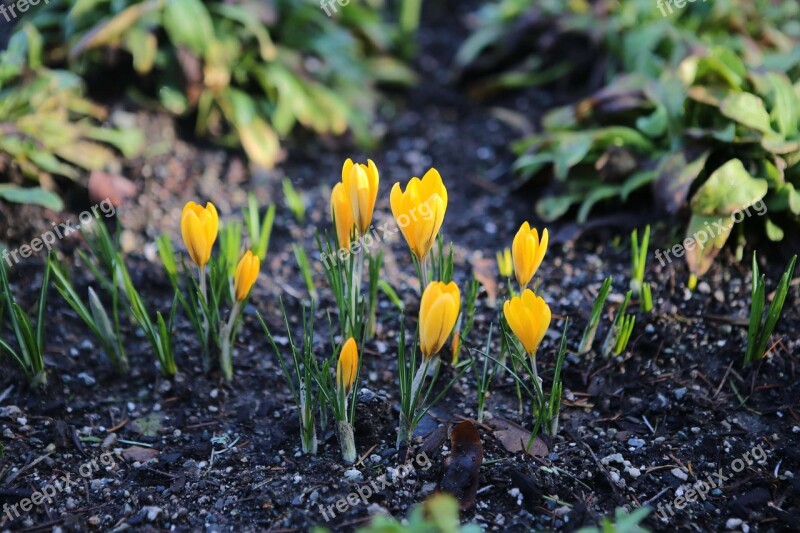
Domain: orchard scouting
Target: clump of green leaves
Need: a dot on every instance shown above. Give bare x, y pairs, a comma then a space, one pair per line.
248, 72
94, 315
438, 514
622, 522
258, 230
594, 320
29, 353
302, 375
761, 328
621, 329
698, 105
48, 127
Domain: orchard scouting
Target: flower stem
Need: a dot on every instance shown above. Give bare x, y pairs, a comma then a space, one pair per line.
225, 358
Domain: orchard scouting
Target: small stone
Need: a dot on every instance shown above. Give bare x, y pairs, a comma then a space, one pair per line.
636, 442
109, 441
680, 393
152, 512
733, 523
680, 474
353, 475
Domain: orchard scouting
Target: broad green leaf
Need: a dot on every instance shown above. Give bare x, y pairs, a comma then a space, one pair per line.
729, 189
655, 124
569, 149
32, 195
260, 142
786, 111
551, 208
774, 232
747, 109
188, 23
709, 234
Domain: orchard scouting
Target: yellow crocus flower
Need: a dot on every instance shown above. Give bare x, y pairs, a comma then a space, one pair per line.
246, 275
528, 316
527, 252
347, 368
419, 210
199, 227
438, 311
504, 264
361, 185
342, 214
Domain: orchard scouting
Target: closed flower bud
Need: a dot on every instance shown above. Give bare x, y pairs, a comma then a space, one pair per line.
199, 226
504, 264
342, 215
438, 311
246, 275
347, 368
419, 211
528, 316
361, 185
528, 251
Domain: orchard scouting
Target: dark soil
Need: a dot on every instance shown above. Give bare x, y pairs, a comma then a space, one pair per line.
675, 408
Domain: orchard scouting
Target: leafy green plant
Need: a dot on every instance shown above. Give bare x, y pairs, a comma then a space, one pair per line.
698, 105
639, 252
545, 407
623, 522
301, 376
594, 320
761, 328
29, 354
246, 72
620, 331
106, 331
259, 231
48, 127
158, 334
294, 200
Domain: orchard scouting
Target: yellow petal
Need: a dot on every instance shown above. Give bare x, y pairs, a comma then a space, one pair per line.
347, 367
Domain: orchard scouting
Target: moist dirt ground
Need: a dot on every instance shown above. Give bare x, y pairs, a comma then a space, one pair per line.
197, 453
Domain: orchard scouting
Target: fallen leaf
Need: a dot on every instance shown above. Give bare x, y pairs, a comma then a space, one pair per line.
104, 186
139, 453
514, 438
463, 465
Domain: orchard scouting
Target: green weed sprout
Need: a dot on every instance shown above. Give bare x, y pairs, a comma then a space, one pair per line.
29, 354
761, 328
259, 231
294, 201
641, 290
594, 320
620, 331
94, 315
301, 376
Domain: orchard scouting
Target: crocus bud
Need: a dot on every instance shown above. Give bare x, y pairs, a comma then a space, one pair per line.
528, 316
419, 211
347, 368
505, 266
342, 214
246, 275
361, 185
438, 312
528, 251
199, 226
